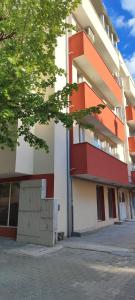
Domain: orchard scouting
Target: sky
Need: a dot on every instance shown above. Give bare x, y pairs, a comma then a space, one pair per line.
122, 14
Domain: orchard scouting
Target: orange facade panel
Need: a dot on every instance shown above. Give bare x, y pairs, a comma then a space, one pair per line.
85, 97
130, 113
82, 50
90, 162
131, 142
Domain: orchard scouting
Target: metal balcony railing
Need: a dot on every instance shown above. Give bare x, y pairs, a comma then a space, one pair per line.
106, 149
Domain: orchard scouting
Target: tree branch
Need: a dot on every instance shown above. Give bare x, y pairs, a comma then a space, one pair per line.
4, 36
2, 18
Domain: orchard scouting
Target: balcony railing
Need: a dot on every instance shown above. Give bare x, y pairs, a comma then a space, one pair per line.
107, 122
100, 146
130, 114
83, 52
131, 142
87, 15
89, 162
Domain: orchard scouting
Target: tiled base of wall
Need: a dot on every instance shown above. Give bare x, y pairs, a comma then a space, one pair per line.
10, 232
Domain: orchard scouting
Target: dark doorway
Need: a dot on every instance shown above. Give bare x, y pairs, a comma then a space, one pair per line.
9, 201
100, 203
111, 203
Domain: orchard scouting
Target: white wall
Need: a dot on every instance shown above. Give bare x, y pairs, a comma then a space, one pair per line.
24, 158
60, 147
7, 161
60, 176
44, 162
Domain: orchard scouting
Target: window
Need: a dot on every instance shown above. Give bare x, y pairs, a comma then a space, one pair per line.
123, 197
120, 113
9, 199
100, 203
4, 203
111, 203
81, 135
79, 77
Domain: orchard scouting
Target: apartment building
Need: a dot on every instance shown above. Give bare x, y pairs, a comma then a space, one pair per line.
88, 178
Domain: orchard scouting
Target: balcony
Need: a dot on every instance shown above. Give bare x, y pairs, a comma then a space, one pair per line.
92, 163
130, 114
131, 142
85, 55
86, 15
106, 148
129, 87
106, 122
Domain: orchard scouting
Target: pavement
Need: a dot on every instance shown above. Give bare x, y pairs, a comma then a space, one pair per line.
65, 273
119, 239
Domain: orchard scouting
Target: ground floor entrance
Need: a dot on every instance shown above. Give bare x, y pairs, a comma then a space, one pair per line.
29, 211
9, 202
97, 205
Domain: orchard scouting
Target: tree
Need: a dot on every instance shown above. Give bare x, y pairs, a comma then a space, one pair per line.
28, 37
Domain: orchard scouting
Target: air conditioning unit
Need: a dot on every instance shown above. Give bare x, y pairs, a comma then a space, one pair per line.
90, 34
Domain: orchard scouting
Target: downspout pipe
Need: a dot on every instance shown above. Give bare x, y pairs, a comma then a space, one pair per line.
69, 179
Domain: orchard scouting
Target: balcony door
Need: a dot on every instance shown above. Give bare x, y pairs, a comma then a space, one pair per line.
111, 203
100, 203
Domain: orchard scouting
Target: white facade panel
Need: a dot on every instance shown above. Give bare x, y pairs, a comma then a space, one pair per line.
7, 162
44, 162
24, 158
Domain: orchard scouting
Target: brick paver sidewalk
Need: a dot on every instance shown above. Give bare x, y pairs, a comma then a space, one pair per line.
65, 274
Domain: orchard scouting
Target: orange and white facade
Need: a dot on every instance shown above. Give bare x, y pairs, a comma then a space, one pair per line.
90, 173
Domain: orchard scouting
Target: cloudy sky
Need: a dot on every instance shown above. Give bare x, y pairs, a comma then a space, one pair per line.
122, 13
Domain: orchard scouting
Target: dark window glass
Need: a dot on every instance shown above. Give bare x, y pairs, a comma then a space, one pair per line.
14, 201
100, 203
111, 203
4, 203
123, 197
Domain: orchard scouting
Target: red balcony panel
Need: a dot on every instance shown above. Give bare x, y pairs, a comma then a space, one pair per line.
94, 163
131, 142
83, 51
130, 114
85, 97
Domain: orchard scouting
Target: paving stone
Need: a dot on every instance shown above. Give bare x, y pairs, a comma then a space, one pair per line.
67, 274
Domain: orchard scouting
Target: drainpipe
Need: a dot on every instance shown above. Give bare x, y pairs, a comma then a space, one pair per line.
69, 190
69, 179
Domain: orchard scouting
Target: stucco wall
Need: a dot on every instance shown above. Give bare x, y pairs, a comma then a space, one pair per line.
85, 206
7, 161
60, 144
44, 162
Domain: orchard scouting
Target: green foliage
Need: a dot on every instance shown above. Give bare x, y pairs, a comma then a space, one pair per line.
28, 37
